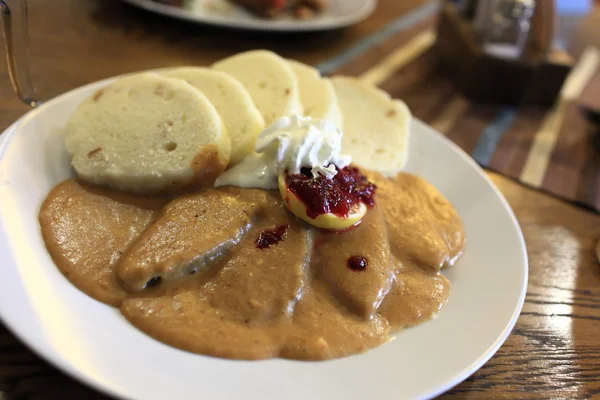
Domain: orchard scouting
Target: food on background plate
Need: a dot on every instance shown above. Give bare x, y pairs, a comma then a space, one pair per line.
269, 79
233, 103
147, 133
304, 249
301, 9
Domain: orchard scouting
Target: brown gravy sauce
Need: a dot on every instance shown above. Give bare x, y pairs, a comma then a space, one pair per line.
189, 273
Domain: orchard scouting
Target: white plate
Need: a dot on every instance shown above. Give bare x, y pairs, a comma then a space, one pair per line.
339, 13
94, 343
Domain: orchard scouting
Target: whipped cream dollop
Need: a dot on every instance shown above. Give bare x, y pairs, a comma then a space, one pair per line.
290, 143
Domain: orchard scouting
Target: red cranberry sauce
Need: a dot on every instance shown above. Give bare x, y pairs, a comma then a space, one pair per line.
337, 195
270, 237
357, 263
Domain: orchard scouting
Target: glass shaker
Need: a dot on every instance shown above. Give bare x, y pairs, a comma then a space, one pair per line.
507, 27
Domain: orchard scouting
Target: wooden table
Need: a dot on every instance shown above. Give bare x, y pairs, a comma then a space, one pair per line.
554, 350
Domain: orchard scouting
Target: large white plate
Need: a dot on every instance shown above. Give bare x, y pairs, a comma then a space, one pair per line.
339, 13
95, 344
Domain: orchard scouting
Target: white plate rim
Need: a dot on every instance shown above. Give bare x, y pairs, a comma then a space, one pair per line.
65, 366
255, 24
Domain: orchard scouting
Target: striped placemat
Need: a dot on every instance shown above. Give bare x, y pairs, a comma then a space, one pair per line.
553, 150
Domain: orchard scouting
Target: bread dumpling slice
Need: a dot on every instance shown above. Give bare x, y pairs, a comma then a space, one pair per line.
269, 79
376, 127
317, 94
233, 103
147, 133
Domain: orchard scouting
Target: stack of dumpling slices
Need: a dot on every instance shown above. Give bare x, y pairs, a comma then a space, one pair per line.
159, 131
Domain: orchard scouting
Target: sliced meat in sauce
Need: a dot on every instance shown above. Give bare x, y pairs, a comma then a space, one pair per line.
192, 231
243, 309
361, 290
293, 295
423, 226
86, 229
263, 285
323, 328
186, 319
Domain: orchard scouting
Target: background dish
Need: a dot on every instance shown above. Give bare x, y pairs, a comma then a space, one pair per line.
94, 343
339, 13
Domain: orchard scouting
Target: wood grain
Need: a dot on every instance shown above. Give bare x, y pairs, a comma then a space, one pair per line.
554, 350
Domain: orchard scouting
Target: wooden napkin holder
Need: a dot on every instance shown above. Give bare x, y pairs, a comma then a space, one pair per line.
534, 79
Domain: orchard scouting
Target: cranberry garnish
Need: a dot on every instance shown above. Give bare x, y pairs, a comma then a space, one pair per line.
357, 263
270, 237
337, 195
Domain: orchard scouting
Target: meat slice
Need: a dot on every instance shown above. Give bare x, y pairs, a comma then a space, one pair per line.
324, 329
262, 283
243, 310
360, 288
191, 232
423, 227
86, 229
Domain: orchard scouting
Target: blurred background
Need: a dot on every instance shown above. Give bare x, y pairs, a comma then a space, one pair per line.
74, 42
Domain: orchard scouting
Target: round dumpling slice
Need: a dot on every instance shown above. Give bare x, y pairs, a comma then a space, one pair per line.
269, 79
147, 133
241, 117
317, 94
376, 127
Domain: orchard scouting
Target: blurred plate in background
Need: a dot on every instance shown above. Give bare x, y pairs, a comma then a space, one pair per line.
338, 14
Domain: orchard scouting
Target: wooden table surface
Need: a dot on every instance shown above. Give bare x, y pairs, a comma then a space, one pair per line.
554, 350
